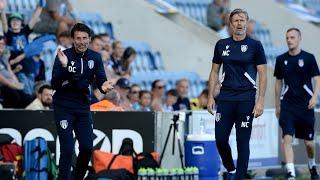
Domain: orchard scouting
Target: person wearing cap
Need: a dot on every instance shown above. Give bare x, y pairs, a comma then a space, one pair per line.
74, 71
17, 38
123, 88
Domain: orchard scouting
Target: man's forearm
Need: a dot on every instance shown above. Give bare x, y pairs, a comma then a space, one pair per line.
317, 86
277, 92
262, 83
213, 79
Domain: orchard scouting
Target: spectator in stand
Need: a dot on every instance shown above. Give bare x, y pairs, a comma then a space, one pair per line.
129, 55
144, 101
216, 12
10, 88
123, 87
171, 99
251, 28
17, 38
105, 55
158, 89
225, 32
183, 102
51, 21
43, 100
96, 43
122, 69
134, 93
111, 102
64, 40
200, 103
115, 59
106, 39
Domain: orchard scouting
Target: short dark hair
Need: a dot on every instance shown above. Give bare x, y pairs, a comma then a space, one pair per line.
238, 11
64, 34
172, 92
95, 37
294, 29
204, 92
45, 86
142, 92
114, 44
82, 28
154, 83
104, 34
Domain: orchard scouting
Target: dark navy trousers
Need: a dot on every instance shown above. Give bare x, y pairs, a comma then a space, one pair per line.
79, 121
240, 114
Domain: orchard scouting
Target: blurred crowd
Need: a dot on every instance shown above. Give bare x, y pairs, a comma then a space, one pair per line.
23, 81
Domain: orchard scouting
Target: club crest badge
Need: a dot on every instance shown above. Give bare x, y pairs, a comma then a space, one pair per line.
218, 117
244, 48
285, 62
64, 124
301, 63
91, 64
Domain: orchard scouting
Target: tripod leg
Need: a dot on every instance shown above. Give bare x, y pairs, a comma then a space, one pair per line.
175, 129
165, 144
180, 150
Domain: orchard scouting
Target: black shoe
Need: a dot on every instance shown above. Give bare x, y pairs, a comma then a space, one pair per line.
231, 176
313, 172
290, 176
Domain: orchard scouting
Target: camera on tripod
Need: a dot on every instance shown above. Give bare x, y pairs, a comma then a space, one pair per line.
175, 117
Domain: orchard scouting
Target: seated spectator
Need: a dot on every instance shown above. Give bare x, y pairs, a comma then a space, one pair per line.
111, 102
114, 64
106, 40
96, 43
43, 100
123, 87
10, 88
200, 103
134, 93
225, 32
251, 28
51, 22
171, 99
17, 38
183, 102
129, 55
144, 101
215, 14
122, 68
158, 89
105, 55
64, 41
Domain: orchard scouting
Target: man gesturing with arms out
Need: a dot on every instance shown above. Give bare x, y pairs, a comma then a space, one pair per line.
73, 72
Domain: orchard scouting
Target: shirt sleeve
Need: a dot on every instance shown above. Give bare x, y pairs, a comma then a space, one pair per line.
100, 73
216, 57
278, 73
314, 71
260, 56
26, 30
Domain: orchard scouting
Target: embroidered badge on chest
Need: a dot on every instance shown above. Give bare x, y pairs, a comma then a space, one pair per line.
244, 48
64, 124
301, 63
91, 64
285, 62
